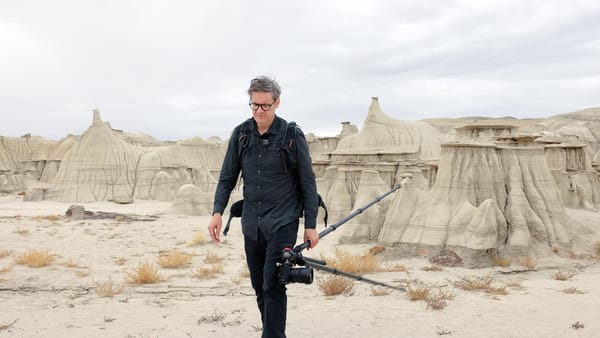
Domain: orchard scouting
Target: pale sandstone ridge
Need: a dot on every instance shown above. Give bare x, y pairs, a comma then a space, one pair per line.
103, 165
384, 147
100, 167
490, 195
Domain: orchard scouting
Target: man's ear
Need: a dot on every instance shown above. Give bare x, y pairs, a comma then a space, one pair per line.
276, 103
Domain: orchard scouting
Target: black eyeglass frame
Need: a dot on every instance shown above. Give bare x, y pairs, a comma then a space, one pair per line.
264, 106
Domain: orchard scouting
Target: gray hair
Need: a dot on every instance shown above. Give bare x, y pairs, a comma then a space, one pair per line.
265, 84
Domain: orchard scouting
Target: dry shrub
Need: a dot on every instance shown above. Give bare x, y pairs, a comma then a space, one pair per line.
380, 291
215, 317
80, 273
353, 263
199, 239
474, 283
528, 262
336, 285
560, 275
439, 300
108, 288
571, 290
393, 268
514, 283
22, 232
376, 250
210, 271
145, 273
120, 261
418, 292
7, 268
497, 290
244, 273
47, 218
4, 253
71, 264
501, 261
432, 268
174, 259
597, 249
35, 258
212, 258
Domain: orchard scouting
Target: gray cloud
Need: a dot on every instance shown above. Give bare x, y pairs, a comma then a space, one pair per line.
180, 69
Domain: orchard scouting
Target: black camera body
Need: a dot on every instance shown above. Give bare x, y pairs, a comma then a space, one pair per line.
289, 273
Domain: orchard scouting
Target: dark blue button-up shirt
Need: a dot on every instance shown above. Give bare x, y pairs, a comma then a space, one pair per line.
273, 196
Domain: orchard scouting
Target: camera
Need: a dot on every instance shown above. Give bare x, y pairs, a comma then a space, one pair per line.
288, 273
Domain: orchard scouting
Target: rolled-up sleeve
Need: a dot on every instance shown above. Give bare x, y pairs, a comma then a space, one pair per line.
230, 171
307, 182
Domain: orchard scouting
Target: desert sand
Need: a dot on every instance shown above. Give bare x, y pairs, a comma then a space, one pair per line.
62, 300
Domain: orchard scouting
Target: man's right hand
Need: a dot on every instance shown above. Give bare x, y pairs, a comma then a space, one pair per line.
214, 227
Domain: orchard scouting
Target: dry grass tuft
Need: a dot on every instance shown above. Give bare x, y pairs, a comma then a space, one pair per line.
514, 283
210, 271
376, 250
497, 290
7, 268
108, 288
439, 300
418, 292
80, 273
597, 249
432, 268
393, 268
212, 258
35, 259
336, 285
501, 261
5, 253
244, 273
145, 273
215, 317
174, 259
120, 261
199, 239
71, 264
528, 262
353, 263
474, 283
380, 291
52, 218
560, 275
571, 290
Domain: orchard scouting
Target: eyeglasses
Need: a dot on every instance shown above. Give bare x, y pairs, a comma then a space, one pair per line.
264, 106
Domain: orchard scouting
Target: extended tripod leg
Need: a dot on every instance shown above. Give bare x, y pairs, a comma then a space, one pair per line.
349, 275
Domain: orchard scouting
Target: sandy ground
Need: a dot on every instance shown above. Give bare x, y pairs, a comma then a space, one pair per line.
60, 300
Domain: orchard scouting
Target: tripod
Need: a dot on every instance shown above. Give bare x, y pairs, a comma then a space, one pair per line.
294, 256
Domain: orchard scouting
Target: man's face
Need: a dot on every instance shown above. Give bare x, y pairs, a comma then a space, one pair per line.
263, 117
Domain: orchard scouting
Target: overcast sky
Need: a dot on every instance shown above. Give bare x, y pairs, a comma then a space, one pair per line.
178, 69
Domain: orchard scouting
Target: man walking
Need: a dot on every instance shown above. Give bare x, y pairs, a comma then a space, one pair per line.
279, 187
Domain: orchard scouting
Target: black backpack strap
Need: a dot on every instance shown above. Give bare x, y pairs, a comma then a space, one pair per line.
322, 205
288, 146
243, 137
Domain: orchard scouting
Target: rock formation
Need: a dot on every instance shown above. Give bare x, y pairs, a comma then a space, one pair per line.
489, 196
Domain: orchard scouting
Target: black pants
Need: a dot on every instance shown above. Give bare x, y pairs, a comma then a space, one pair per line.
271, 298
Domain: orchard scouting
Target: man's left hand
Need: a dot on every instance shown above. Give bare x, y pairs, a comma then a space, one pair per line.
312, 236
